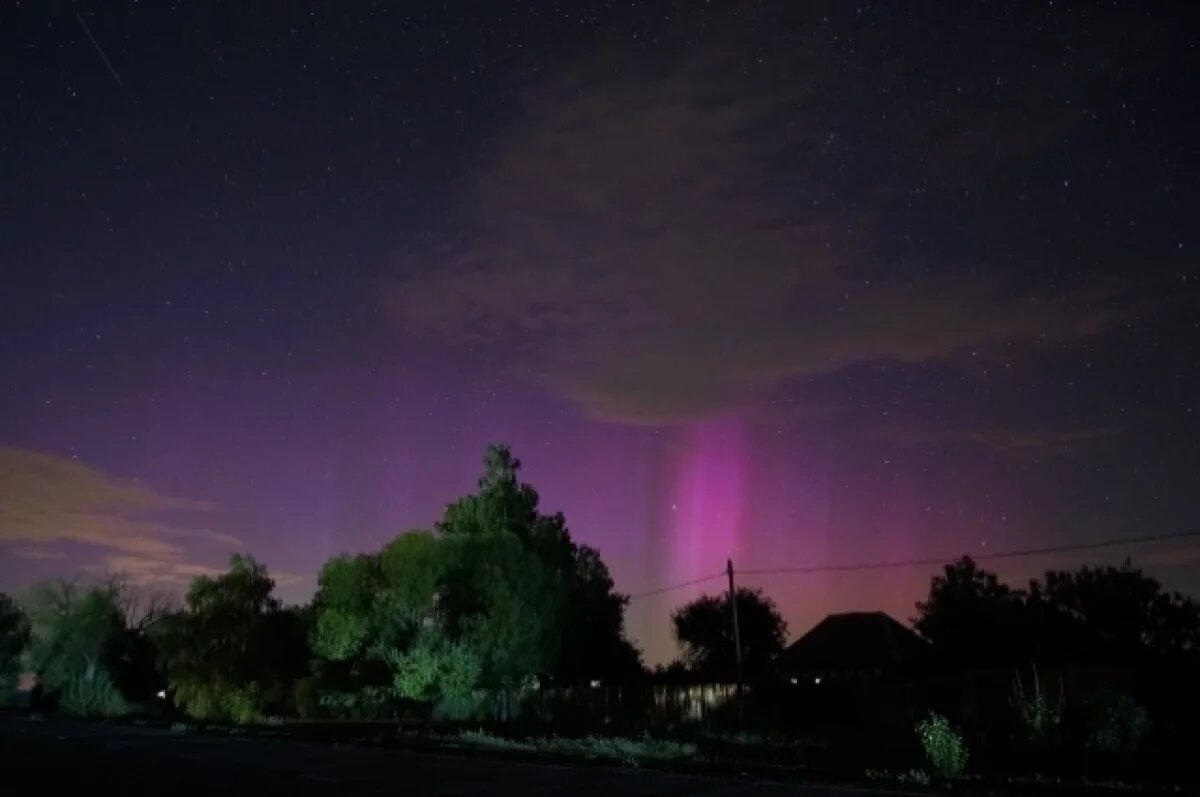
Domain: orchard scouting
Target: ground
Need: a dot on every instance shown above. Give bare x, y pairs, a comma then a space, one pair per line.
63, 757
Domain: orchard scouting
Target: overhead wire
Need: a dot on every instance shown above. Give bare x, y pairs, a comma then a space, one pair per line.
927, 561
981, 556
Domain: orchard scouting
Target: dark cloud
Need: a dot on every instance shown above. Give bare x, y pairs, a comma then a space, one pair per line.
1002, 440
629, 239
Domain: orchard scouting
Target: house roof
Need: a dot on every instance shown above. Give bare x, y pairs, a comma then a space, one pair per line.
855, 641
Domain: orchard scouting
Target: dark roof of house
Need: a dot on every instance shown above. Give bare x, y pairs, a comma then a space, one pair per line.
855, 641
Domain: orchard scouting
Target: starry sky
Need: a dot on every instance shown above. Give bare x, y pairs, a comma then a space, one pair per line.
790, 283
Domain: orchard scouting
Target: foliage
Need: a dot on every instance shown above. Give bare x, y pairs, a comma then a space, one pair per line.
221, 702
377, 632
1040, 715
232, 652
974, 618
345, 608
944, 747
506, 604
597, 649
503, 504
704, 631
305, 698
91, 696
971, 616
75, 635
1118, 723
1112, 611
484, 601
14, 636
434, 667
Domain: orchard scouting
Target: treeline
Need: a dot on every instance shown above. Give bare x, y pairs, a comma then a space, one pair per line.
495, 597
1093, 614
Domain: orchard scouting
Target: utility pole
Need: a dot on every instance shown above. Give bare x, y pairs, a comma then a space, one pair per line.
737, 640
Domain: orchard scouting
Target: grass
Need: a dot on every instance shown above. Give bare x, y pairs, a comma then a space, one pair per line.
620, 749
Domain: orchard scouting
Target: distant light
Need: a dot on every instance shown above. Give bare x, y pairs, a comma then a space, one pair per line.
817, 680
596, 683
162, 693
794, 680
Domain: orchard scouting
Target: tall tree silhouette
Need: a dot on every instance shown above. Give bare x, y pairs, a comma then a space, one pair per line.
704, 630
972, 617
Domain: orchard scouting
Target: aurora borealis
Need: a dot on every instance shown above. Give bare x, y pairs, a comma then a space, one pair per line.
740, 280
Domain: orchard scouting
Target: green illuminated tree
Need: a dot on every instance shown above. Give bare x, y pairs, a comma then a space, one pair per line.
76, 639
232, 652
376, 633
583, 652
505, 603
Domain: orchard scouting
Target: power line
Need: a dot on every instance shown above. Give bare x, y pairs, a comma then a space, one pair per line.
681, 585
927, 562
1012, 554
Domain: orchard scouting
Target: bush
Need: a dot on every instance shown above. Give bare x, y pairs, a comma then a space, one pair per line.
220, 703
944, 747
1118, 723
92, 697
304, 697
244, 705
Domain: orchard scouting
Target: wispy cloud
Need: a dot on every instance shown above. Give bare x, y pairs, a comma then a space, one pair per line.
47, 501
37, 554
154, 572
1002, 439
629, 241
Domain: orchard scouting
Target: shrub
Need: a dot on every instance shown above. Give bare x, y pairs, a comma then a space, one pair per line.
1040, 715
433, 667
1118, 724
944, 747
243, 705
305, 698
92, 696
220, 702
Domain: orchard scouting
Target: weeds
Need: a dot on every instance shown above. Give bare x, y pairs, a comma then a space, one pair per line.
1040, 715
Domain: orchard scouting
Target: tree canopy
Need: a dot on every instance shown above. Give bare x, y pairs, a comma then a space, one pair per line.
486, 600
77, 637
504, 503
232, 651
1108, 612
704, 631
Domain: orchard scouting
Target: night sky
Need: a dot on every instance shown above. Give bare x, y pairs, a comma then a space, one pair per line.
796, 286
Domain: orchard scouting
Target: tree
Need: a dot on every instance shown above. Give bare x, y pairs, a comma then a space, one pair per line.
76, 639
487, 600
376, 631
506, 604
597, 650
14, 636
233, 651
704, 631
1114, 612
971, 616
